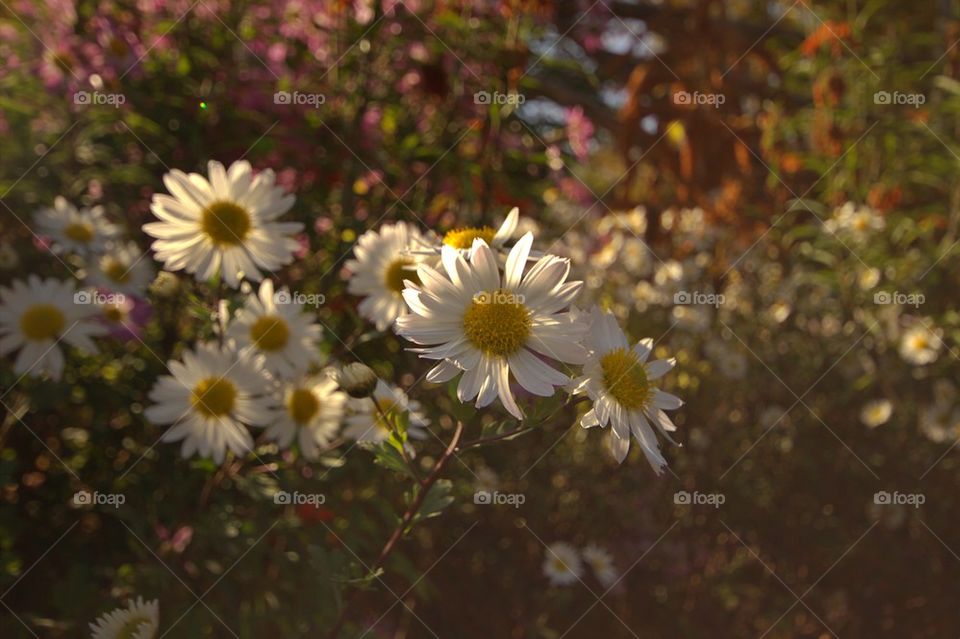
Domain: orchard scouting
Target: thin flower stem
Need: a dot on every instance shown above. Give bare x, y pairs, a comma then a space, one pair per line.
405, 521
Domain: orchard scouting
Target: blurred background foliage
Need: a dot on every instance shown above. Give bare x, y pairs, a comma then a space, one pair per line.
604, 162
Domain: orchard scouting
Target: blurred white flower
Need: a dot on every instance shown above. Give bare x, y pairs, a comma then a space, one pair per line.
562, 564
36, 315
73, 230
139, 620
208, 398
920, 344
619, 380
876, 413
858, 220
309, 410
276, 326
384, 259
225, 225
367, 420
486, 325
122, 268
601, 563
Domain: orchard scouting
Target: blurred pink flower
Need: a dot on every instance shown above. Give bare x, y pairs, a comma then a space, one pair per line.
579, 132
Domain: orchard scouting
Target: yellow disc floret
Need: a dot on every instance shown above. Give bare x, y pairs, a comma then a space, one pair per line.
302, 405
463, 238
270, 333
397, 272
214, 396
625, 378
497, 323
79, 232
41, 322
225, 222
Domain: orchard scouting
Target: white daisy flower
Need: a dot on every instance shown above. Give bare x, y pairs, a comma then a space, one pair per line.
226, 225
601, 563
36, 315
876, 413
858, 220
139, 620
463, 238
309, 409
80, 231
488, 326
383, 261
368, 421
276, 326
921, 344
562, 564
619, 380
208, 398
123, 269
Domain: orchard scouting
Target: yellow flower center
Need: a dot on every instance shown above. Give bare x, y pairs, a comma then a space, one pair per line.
397, 272
114, 313
497, 323
625, 378
214, 396
225, 222
41, 322
302, 405
463, 238
270, 333
559, 565
116, 270
131, 626
79, 232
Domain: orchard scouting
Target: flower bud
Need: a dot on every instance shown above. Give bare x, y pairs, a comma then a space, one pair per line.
357, 379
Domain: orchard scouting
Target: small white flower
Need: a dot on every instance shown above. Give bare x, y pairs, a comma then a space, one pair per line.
36, 315
487, 326
367, 423
876, 413
309, 410
208, 398
226, 224
123, 268
619, 380
282, 332
463, 238
80, 231
139, 620
857, 220
357, 379
562, 564
920, 344
383, 261
601, 563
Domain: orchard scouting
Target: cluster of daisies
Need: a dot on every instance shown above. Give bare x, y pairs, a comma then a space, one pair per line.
501, 317
39, 317
563, 564
266, 369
